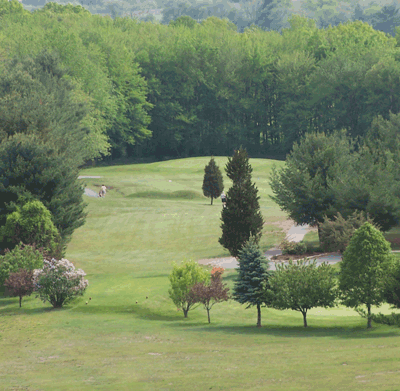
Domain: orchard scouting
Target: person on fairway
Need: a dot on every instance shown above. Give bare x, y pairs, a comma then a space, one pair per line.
223, 199
103, 191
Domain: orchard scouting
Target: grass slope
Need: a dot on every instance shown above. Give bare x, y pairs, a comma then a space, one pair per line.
127, 247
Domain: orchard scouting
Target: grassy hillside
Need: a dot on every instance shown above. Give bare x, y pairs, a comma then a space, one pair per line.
155, 214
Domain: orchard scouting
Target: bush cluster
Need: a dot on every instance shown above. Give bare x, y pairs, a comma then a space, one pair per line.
291, 248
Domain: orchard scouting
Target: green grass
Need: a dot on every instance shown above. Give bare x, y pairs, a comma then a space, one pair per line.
127, 247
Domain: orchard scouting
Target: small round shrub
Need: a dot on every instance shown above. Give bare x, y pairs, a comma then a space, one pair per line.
58, 282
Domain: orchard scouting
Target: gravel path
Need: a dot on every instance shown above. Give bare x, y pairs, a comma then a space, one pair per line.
90, 192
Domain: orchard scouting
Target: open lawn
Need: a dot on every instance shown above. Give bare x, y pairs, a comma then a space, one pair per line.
127, 247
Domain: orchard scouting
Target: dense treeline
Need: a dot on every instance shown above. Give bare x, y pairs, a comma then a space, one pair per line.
204, 89
266, 14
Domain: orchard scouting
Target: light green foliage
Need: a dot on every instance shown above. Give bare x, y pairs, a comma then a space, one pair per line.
21, 257
31, 223
303, 285
182, 278
364, 269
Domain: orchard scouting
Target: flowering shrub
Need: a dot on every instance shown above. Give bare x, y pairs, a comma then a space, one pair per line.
58, 282
217, 269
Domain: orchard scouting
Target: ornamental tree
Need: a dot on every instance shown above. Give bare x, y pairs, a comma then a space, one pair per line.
20, 284
251, 285
242, 217
213, 184
215, 292
364, 269
58, 282
302, 285
21, 257
182, 279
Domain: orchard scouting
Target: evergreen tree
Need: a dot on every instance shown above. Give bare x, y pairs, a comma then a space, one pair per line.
29, 170
252, 283
213, 184
242, 217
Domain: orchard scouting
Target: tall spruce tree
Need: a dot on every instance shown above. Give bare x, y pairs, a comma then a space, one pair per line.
213, 184
242, 217
252, 283
32, 170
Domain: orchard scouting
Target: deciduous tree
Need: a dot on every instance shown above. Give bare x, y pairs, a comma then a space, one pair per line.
20, 284
364, 269
301, 285
208, 295
182, 278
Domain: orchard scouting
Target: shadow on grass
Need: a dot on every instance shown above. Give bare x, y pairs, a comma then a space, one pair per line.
298, 331
131, 309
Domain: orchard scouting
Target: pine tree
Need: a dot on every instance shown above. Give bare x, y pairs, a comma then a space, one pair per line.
252, 283
242, 217
213, 183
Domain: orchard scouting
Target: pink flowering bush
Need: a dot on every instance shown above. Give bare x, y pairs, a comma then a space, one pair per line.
58, 282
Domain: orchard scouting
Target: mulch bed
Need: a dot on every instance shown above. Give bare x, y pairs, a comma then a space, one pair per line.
286, 257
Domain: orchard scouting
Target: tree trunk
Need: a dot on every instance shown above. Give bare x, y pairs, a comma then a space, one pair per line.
185, 312
211, 200
319, 233
305, 318
208, 314
258, 315
20, 299
369, 325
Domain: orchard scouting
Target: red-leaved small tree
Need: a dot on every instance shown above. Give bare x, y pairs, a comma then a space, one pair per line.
211, 294
20, 284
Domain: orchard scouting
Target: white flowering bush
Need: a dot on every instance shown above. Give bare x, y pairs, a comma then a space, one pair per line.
58, 282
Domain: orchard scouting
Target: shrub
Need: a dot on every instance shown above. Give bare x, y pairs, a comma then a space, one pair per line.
336, 233
20, 284
21, 257
31, 224
293, 247
58, 282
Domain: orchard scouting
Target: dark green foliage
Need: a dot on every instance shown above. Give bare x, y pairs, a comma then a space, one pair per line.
293, 247
31, 170
242, 217
36, 98
213, 184
392, 288
185, 20
364, 269
252, 281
